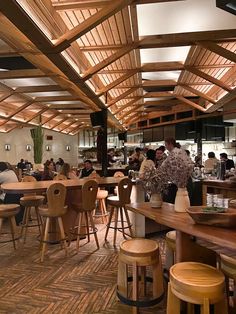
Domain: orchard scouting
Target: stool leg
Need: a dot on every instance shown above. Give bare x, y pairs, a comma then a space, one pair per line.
122, 221
190, 308
24, 228
135, 282
221, 307
45, 237
60, 223
234, 297
80, 216
115, 225
104, 210
87, 225
94, 228
205, 307
122, 284
39, 221
1, 221
109, 222
12, 224
143, 280
173, 303
158, 286
129, 223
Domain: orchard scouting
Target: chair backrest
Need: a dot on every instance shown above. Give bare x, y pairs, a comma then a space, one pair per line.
60, 177
28, 179
89, 195
118, 174
124, 191
56, 196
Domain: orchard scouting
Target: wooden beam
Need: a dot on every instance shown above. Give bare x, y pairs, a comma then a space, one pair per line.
153, 83
127, 105
56, 98
223, 101
162, 66
227, 54
8, 118
37, 89
191, 103
6, 95
198, 93
58, 123
13, 74
78, 31
51, 118
67, 126
116, 82
117, 55
158, 94
185, 39
37, 114
208, 77
122, 96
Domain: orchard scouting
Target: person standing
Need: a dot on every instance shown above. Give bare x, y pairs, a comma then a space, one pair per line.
160, 156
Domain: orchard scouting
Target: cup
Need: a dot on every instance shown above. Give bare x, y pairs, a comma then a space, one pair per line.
226, 202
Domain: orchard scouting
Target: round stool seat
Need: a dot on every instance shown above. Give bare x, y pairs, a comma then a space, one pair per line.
8, 210
139, 247
50, 212
228, 265
113, 200
32, 200
102, 194
193, 282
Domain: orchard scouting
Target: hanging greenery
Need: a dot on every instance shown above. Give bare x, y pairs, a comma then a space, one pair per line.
37, 136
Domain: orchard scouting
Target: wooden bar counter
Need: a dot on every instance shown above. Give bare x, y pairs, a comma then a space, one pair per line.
226, 187
187, 248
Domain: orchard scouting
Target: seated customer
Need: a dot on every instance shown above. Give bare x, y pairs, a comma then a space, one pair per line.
66, 171
87, 170
229, 163
21, 164
7, 175
160, 156
211, 162
48, 173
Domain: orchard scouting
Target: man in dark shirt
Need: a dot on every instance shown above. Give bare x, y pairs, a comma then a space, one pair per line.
21, 165
87, 170
229, 163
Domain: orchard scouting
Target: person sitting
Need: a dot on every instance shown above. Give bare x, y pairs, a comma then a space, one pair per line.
136, 159
229, 163
160, 156
87, 170
110, 157
66, 171
21, 164
59, 164
48, 173
211, 162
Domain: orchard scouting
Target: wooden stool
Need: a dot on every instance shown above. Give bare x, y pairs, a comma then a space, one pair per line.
56, 195
101, 197
89, 194
9, 211
196, 283
228, 268
28, 202
170, 249
139, 253
117, 204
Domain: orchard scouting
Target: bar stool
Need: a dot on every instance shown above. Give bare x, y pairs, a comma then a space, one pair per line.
85, 209
140, 254
56, 208
9, 211
196, 283
117, 204
60, 177
228, 268
117, 174
170, 249
29, 201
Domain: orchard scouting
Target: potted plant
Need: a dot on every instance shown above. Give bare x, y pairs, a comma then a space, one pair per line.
37, 136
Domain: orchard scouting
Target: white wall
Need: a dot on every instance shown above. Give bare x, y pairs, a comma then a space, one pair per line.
18, 139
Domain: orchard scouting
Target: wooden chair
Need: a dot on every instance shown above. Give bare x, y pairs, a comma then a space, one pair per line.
117, 204
85, 209
101, 210
56, 208
196, 283
29, 201
117, 174
228, 268
9, 211
141, 254
60, 177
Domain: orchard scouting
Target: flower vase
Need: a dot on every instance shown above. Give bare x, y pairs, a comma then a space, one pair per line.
182, 201
156, 200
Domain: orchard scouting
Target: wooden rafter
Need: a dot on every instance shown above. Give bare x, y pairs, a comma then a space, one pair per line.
51, 118
67, 126
191, 103
122, 96
58, 123
227, 54
198, 93
128, 104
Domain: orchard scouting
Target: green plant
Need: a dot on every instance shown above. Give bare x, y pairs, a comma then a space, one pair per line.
37, 136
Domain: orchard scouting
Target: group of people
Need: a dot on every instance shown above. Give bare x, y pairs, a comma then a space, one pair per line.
212, 161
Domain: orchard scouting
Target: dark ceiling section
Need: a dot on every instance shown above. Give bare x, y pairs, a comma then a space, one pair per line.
159, 88
15, 63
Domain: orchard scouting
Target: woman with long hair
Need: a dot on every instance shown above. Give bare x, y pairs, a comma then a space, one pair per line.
66, 171
48, 172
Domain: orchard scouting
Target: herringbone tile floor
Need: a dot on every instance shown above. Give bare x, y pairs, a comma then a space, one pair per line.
83, 282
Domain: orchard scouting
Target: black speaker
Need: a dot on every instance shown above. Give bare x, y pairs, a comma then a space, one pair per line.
97, 118
122, 136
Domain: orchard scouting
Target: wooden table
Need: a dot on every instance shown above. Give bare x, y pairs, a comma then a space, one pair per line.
73, 195
218, 239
